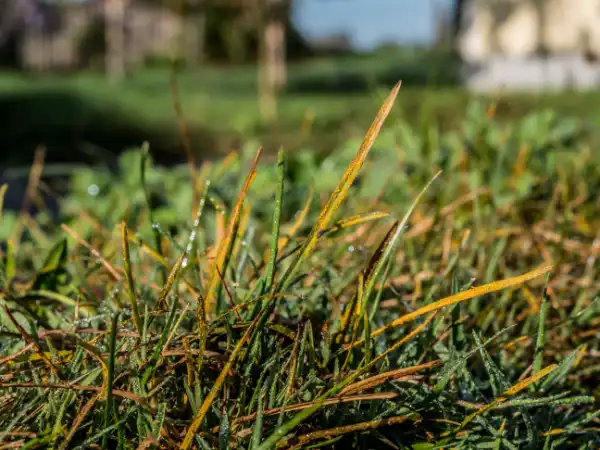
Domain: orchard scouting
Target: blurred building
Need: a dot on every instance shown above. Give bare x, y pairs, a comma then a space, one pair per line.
47, 35
529, 44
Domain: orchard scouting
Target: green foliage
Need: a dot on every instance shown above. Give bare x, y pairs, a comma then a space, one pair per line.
355, 349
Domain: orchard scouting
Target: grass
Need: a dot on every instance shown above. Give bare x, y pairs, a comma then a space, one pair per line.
417, 289
327, 100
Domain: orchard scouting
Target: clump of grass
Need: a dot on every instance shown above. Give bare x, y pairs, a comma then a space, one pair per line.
359, 324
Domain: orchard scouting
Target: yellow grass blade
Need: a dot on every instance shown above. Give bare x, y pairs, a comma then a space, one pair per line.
162, 298
523, 384
343, 187
460, 297
3, 189
358, 220
227, 242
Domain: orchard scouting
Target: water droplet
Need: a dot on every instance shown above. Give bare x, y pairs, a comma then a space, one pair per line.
93, 190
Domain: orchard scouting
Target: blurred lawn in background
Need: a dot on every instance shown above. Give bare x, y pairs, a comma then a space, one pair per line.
326, 101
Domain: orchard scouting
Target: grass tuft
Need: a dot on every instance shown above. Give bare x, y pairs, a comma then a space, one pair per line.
360, 305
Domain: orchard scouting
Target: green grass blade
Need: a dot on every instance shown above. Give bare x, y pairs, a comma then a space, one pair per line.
112, 356
133, 297
270, 269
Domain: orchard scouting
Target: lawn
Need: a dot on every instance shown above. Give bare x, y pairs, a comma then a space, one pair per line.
359, 299
327, 100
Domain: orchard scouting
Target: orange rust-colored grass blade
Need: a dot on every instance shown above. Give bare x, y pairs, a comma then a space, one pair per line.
462, 296
343, 187
338, 431
381, 378
226, 243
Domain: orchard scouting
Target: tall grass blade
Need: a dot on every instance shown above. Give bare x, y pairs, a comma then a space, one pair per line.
133, 298
342, 189
270, 269
108, 410
226, 245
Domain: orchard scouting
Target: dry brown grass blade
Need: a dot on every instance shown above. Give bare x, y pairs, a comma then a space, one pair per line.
149, 442
343, 187
32, 342
381, 378
15, 355
299, 442
75, 387
304, 405
32, 183
112, 270
227, 241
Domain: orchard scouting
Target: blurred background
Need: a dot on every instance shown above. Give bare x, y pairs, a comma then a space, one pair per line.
86, 79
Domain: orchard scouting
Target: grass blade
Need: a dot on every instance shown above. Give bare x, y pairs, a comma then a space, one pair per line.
133, 298
189, 436
270, 269
111, 376
342, 189
462, 296
226, 245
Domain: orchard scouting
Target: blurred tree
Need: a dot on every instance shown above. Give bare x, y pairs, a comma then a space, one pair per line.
16, 16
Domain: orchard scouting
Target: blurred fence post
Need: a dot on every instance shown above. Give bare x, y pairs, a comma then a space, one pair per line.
271, 60
114, 14
275, 39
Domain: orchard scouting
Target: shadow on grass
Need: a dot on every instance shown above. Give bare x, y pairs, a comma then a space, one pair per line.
75, 130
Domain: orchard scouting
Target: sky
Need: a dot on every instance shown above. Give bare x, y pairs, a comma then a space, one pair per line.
370, 22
